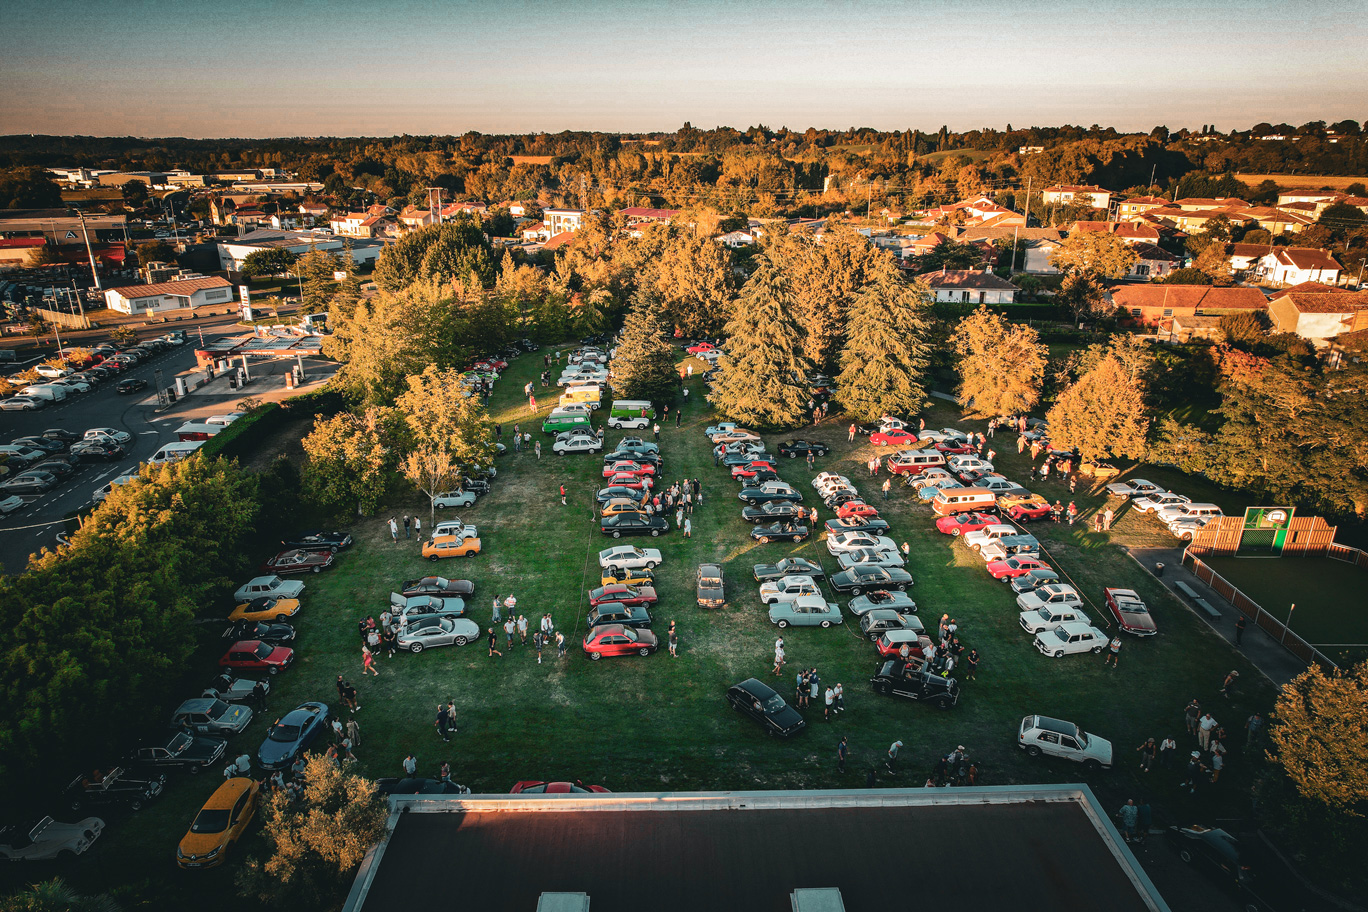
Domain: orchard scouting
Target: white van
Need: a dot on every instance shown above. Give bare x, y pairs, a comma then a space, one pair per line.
174, 452
50, 391
223, 420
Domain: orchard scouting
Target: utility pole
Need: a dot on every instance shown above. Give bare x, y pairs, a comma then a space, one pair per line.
869, 200
94, 274
1015, 232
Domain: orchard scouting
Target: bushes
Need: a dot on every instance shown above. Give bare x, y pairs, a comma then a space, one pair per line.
237, 438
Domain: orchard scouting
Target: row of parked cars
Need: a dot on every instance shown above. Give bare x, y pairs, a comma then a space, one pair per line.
37, 463
67, 378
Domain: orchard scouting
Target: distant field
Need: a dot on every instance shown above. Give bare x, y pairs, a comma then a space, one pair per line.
975, 154
99, 193
531, 159
1301, 180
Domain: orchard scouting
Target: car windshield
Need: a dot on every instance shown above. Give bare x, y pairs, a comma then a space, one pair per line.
179, 743
217, 709
284, 732
263, 650
631, 634
209, 820
774, 703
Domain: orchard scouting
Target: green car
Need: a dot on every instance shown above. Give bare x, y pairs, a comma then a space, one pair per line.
805, 611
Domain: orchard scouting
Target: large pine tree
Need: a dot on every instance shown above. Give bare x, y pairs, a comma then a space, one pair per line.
644, 366
883, 364
763, 374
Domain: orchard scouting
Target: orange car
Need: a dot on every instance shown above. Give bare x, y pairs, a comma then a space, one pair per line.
265, 609
219, 824
450, 546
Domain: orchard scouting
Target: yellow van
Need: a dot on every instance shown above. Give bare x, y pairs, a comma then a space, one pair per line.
587, 395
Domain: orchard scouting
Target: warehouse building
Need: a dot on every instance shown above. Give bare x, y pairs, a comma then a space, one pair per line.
150, 299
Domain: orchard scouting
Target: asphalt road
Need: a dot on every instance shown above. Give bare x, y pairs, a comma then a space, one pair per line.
37, 523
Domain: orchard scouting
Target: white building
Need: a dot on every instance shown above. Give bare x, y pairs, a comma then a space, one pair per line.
969, 286
1294, 265
1063, 194
560, 220
140, 299
233, 252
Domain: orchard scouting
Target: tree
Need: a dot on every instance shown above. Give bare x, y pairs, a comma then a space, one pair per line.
269, 262
644, 365
431, 470
134, 193
1214, 262
884, 361
763, 374
1320, 737
442, 414
1083, 296
692, 279
156, 252
1095, 254
1104, 413
1245, 329
351, 459
29, 188
316, 842
1002, 365
55, 896
1341, 216
445, 253
315, 269
951, 254
1187, 276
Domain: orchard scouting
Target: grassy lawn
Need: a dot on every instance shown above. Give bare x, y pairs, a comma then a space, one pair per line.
656, 723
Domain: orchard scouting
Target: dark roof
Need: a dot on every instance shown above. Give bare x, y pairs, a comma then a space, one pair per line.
965, 278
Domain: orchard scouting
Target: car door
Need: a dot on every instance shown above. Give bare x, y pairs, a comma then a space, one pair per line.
1068, 747
1048, 743
617, 645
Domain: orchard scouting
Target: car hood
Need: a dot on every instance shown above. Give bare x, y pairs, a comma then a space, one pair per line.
205, 750
787, 719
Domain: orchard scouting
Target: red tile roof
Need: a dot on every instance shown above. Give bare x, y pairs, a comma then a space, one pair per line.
1190, 296
183, 287
560, 240
1305, 258
1344, 302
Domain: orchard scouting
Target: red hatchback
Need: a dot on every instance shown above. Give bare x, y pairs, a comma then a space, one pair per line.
856, 508
964, 522
892, 438
949, 447
1014, 567
255, 655
536, 787
622, 592
617, 640
627, 467
624, 480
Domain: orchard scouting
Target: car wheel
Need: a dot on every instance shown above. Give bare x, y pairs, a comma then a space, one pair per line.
281, 617
595, 656
655, 533
1091, 766
650, 565
782, 624
644, 650
873, 638
945, 704
975, 547
826, 624
440, 506
1033, 751
461, 641
433, 558
1059, 653
415, 647
903, 587
135, 805
272, 670
1096, 650
1185, 855
316, 569
764, 539
194, 770
792, 455
471, 553
955, 532
856, 590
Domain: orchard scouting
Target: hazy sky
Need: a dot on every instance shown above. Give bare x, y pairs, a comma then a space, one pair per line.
340, 67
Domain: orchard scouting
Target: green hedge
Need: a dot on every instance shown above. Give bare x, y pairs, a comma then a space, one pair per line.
239, 437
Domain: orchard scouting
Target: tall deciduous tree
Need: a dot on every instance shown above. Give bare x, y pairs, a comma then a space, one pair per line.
268, 262
1320, 737
1103, 413
763, 373
884, 361
351, 459
644, 365
441, 414
431, 470
1001, 366
1096, 254
445, 253
693, 279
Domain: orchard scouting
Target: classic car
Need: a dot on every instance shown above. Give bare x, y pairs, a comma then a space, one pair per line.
1070, 639
857, 524
231, 689
1150, 503
805, 611
960, 523
761, 703
275, 634
770, 512
47, 839
779, 531
711, 588
618, 613
1012, 567
857, 508
270, 587
852, 541
891, 643
114, 787
788, 587
537, 787
865, 577
1136, 487
577, 442
877, 622
1130, 611
442, 546
254, 655
1049, 617
416, 606
437, 585
1033, 579
910, 681
788, 566
894, 600
179, 751
621, 592
892, 438
265, 608
628, 467
769, 491
629, 557
617, 640
211, 716
1042, 735
795, 448
620, 524
319, 541
872, 557
1053, 594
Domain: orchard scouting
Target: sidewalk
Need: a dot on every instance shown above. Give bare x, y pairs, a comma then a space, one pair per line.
1279, 665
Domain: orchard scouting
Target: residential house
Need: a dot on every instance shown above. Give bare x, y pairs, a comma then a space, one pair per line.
535, 232
980, 213
452, 210
1294, 265
1191, 220
233, 252
1278, 221
637, 215
1156, 306
359, 224
1138, 233
557, 241
1320, 317
969, 286
1199, 203
284, 221
148, 299
313, 210
559, 221
1245, 257
1308, 196
1038, 256
1151, 262
412, 219
1063, 194
1138, 205
735, 239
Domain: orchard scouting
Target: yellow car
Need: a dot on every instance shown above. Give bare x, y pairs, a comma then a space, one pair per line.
265, 609
1007, 501
1099, 470
638, 577
219, 824
450, 546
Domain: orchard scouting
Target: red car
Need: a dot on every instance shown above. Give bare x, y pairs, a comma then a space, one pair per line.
534, 787
891, 643
255, 655
700, 348
497, 364
617, 640
624, 480
1014, 566
627, 467
964, 522
1028, 512
1130, 612
296, 561
949, 447
892, 438
622, 592
751, 470
856, 508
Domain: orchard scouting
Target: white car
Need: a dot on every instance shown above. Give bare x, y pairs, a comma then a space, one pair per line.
1168, 515
1056, 738
453, 499
11, 503
457, 528
832, 485
52, 373
829, 477
120, 437
889, 423
851, 541
1045, 618
1136, 487
1055, 595
870, 556
999, 550
75, 384
980, 537
22, 403
958, 463
936, 476
49, 839
1150, 503
1070, 639
584, 376
99, 494
787, 587
629, 557
1187, 529
268, 587
577, 443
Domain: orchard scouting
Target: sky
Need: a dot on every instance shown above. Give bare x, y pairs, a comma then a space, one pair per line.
254, 68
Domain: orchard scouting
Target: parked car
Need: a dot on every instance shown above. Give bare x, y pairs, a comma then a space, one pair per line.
618, 613
892, 438
620, 524
1012, 567
537, 787
90, 449
621, 592
114, 788
269, 587
788, 587
442, 546
805, 611
1130, 611
1050, 616
292, 734
869, 557
211, 716
232, 689
437, 585
1070, 639
10, 503
180, 751
853, 541
857, 508
446, 499
297, 561
319, 541
788, 566
1056, 595
416, 606
779, 531
1150, 503
131, 385
629, 557
754, 473
771, 511
425, 631
960, 523
711, 589
123, 438
22, 403
1033, 579
769, 491
890, 644
910, 681
1225, 856
275, 634
878, 621
219, 824
25, 484
617, 640
761, 703
254, 655
795, 448
1028, 509
265, 609
576, 442
866, 577
47, 839
857, 524
1042, 735
1136, 487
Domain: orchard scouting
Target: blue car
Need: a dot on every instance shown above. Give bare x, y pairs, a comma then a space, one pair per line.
292, 734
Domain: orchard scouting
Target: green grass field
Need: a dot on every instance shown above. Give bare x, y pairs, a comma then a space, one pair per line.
656, 723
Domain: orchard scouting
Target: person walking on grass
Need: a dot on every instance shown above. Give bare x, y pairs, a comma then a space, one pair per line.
1107, 516
688, 527
418, 528
510, 626
778, 655
892, 760
1147, 752
829, 695
497, 618
841, 751
538, 449
522, 628
562, 494
674, 641
560, 645
407, 523
368, 662
394, 530
537, 641
1229, 684
442, 722
1191, 714
493, 644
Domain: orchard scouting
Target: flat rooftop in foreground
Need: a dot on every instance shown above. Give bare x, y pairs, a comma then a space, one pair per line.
1019, 848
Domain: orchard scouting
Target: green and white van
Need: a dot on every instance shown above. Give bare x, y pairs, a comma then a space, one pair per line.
562, 421
631, 413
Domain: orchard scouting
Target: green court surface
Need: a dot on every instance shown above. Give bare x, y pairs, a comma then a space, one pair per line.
1332, 610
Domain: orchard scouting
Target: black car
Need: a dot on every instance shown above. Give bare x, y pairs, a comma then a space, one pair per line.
275, 634
618, 491
761, 703
789, 566
318, 541
773, 511
712, 587
620, 524
857, 524
780, 531
67, 437
131, 385
59, 468
1227, 857
437, 585
736, 459
907, 680
795, 448
46, 444
478, 486
113, 788
528, 345
420, 786
838, 498
864, 576
618, 613
180, 751
629, 453
759, 493
92, 450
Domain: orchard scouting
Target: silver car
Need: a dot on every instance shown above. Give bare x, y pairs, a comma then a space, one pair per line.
49, 839
211, 716
438, 631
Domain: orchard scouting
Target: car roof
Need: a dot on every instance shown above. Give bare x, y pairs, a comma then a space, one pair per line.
755, 688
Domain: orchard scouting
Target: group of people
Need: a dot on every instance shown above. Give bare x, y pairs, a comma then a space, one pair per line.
543, 638
809, 690
412, 525
1206, 762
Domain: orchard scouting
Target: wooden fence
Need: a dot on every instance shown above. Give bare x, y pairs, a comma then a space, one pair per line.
1251, 609
1306, 536
1348, 555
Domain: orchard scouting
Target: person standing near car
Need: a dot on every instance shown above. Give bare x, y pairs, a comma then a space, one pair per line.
1113, 656
674, 641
